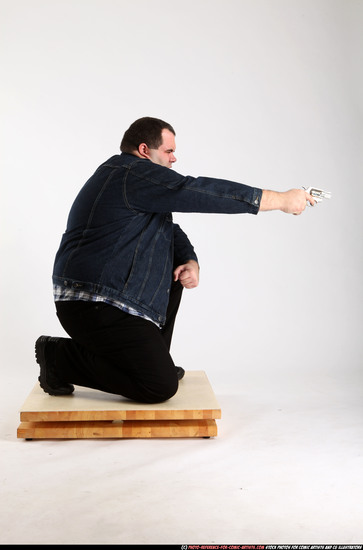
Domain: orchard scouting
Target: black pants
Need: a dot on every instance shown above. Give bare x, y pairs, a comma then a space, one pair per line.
115, 352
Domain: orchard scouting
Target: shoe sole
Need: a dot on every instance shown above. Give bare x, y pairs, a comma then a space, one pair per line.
40, 359
180, 372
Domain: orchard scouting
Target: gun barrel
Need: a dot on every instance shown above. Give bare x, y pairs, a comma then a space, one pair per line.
319, 193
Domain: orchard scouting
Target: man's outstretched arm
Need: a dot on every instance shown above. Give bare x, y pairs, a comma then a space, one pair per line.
290, 202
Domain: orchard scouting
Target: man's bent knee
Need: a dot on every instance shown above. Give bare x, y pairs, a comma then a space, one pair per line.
162, 392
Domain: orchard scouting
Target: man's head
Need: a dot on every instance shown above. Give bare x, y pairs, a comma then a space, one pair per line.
150, 138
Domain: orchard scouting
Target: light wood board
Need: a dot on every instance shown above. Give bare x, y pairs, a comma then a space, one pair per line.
93, 414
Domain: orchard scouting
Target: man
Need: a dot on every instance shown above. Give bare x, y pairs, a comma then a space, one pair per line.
122, 265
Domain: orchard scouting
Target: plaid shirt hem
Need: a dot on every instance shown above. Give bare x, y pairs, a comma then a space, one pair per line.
69, 294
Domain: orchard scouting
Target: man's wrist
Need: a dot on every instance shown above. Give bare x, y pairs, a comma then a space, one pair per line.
271, 200
193, 262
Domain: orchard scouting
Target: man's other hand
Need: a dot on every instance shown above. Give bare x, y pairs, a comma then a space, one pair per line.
187, 274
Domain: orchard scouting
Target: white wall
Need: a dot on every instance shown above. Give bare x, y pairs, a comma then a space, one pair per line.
267, 92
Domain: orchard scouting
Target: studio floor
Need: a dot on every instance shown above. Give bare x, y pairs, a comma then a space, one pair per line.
285, 468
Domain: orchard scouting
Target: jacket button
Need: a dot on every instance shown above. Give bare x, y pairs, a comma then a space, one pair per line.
77, 285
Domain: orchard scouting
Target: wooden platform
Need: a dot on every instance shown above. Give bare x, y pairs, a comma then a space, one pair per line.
89, 414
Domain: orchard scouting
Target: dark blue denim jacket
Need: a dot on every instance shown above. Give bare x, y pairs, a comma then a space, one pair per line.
121, 242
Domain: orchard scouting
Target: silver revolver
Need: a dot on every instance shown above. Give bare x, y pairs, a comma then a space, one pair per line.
317, 194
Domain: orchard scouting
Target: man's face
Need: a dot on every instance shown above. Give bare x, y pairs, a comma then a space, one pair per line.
164, 155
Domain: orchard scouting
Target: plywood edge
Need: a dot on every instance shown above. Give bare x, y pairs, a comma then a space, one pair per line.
68, 416
124, 429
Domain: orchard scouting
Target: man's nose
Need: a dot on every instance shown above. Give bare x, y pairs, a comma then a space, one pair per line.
173, 158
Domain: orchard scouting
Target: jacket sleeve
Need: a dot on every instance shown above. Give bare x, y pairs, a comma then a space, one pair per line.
153, 188
183, 248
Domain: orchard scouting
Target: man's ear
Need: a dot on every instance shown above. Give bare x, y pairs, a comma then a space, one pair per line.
144, 150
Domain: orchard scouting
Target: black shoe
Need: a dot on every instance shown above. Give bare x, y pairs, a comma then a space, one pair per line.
45, 357
180, 372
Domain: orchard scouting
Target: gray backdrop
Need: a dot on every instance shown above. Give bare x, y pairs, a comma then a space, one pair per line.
264, 92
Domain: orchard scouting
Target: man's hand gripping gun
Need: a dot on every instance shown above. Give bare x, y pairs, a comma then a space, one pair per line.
317, 194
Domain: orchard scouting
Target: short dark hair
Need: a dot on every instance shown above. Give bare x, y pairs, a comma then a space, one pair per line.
144, 130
